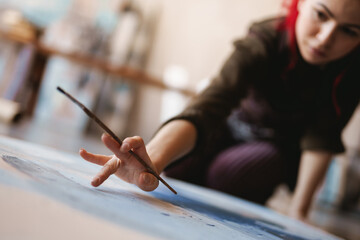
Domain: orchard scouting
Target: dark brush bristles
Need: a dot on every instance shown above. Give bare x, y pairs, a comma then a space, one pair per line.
103, 126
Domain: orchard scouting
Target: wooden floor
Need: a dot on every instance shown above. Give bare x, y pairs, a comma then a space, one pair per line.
342, 223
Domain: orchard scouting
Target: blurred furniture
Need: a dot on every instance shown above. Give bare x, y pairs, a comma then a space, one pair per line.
44, 52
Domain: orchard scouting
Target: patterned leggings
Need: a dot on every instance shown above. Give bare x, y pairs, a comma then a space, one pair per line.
249, 170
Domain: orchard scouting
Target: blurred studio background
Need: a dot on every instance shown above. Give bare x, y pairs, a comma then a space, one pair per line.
136, 63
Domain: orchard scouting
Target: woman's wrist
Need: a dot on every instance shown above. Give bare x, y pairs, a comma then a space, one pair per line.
157, 157
173, 141
299, 207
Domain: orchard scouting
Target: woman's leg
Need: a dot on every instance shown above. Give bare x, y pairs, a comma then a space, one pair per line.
193, 167
249, 170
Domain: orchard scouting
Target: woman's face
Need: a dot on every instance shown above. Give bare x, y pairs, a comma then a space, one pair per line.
327, 30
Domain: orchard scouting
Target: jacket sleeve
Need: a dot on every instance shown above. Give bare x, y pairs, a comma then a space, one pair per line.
325, 132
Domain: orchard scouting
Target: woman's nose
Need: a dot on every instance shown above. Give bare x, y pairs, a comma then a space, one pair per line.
326, 33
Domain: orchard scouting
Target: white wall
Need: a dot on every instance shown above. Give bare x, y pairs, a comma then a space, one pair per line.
197, 34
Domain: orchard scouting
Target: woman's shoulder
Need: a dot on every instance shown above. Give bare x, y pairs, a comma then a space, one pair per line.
263, 37
267, 25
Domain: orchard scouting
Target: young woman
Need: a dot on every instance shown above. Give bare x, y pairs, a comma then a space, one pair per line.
276, 109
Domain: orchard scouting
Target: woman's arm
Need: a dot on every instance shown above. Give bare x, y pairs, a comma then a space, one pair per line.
312, 170
173, 141
248, 62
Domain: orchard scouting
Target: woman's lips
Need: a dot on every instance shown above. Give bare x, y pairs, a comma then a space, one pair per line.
317, 52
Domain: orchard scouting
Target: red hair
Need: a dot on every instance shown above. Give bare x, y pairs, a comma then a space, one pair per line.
288, 25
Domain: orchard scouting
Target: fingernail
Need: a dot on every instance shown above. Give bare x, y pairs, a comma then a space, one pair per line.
146, 178
95, 181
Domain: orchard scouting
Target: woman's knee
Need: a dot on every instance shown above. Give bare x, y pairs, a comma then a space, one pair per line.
250, 170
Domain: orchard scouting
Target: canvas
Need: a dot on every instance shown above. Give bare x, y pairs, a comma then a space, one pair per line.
195, 213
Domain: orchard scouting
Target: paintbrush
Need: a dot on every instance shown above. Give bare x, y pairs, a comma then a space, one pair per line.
103, 126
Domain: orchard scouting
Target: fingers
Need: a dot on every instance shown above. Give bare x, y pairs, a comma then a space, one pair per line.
131, 143
147, 182
94, 158
109, 168
136, 143
110, 143
130, 170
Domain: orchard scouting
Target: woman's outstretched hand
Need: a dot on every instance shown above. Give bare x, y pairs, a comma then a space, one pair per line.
122, 163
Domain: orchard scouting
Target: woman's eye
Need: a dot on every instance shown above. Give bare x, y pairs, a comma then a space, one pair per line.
320, 15
349, 32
